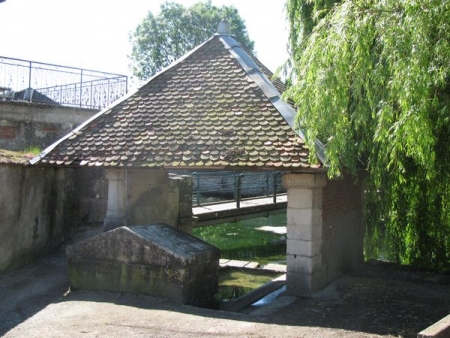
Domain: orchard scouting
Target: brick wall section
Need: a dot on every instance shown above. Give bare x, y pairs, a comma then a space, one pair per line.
8, 132
342, 232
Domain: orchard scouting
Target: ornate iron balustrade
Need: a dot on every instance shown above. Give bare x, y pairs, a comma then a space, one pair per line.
59, 85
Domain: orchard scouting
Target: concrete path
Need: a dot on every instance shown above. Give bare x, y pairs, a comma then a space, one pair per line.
373, 301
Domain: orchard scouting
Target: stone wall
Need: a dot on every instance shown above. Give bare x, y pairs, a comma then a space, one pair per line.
37, 212
41, 207
342, 228
91, 195
25, 124
157, 197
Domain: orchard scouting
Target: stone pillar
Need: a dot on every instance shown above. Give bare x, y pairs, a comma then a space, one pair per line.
117, 190
304, 233
183, 186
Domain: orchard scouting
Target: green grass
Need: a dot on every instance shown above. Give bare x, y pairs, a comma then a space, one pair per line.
246, 278
32, 151
243, 241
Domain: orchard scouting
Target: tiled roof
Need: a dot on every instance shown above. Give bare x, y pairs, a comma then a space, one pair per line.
215, 108
14, 157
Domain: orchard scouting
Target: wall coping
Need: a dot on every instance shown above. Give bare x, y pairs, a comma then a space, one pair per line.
440, 329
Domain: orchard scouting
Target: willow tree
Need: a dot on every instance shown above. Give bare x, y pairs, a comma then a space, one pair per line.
371, 81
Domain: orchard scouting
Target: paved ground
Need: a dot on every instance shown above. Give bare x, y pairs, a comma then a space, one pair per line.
375, 300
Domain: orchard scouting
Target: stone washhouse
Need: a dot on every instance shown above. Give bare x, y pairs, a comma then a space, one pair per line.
217, 108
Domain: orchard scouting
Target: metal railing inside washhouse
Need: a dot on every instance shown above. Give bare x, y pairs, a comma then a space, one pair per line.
59, 85
216, 187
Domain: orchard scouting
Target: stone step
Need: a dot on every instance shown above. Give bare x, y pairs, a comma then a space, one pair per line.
253, 296
275, 267
251, 265
238, 264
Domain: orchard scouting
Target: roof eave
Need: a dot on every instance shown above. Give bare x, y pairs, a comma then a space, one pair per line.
290, 169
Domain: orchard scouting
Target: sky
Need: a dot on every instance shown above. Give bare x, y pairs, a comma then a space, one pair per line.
94, 34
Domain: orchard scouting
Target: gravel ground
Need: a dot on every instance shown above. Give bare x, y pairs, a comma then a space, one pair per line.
377, 299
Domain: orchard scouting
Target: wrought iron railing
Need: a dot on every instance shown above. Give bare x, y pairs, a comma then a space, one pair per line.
216, 187
59, 85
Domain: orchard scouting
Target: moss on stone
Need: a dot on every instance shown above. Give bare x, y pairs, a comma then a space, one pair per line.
15, 157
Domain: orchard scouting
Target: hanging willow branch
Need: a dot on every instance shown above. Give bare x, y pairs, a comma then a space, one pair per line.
371, 81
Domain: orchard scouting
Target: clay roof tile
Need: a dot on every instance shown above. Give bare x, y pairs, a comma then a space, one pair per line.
217, 107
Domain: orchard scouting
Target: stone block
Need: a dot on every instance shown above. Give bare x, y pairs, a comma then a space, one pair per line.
303, 198
162, 177
302, 264
300, 198
157, 260
275, 267
304, 232
115, 174
300, 181
304, 248
303, 216
185, 208
304, 284
180, 181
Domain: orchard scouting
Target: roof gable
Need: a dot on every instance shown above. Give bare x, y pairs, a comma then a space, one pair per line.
214, 108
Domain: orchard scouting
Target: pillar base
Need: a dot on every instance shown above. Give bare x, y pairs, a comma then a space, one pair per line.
304, 284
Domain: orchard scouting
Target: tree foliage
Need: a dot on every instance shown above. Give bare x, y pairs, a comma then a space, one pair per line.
160, 40
372, 82
303, 16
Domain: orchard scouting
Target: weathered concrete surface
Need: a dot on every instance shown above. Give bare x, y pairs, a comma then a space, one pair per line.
40, 208
155, 260
91, 195
374, 301
35, 205
139, 196
156, 197
27, 124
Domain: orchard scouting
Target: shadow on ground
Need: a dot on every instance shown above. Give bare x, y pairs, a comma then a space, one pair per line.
375, 299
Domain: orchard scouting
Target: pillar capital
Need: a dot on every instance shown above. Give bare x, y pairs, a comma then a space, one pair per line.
115, 174
304, 181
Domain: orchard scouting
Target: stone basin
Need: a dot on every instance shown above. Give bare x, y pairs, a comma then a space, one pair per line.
157, 260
